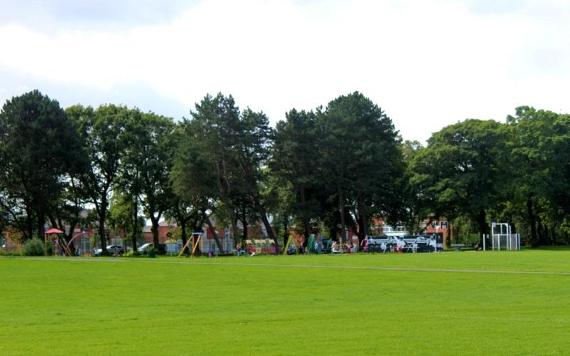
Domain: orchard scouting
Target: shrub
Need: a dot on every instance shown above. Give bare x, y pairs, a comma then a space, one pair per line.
129, 253
33, 247
9, 253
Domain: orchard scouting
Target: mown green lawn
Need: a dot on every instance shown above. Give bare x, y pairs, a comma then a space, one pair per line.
448, 303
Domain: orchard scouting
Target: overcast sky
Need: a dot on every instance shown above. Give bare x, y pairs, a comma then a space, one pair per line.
426, 63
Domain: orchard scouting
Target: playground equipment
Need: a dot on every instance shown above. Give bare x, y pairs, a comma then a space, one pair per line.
83, 246
316, 243
60, 246
290, 247
194, 240
207, 245
503, 238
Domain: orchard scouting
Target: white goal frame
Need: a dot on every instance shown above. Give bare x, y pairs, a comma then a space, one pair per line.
503, 238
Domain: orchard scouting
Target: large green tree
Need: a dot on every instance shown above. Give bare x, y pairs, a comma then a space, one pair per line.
124, 217
147, 163
224, 157
255, 137
540, 171
360, 157
295, 160
37, 143
415, 208
102, 132
460, 171
194, 178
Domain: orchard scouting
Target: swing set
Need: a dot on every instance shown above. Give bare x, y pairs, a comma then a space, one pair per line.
194, 240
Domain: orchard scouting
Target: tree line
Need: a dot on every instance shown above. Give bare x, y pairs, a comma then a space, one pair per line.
335, 168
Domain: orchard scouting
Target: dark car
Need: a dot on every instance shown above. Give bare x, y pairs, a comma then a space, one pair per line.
114, 250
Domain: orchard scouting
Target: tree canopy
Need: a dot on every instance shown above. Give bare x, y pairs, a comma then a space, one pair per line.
332, 168
37, 142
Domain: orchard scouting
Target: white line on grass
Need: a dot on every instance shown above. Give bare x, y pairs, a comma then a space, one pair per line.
307, 266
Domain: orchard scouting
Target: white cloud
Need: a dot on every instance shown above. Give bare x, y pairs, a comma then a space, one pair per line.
426, 63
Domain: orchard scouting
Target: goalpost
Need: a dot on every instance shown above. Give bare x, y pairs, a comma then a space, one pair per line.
503, 238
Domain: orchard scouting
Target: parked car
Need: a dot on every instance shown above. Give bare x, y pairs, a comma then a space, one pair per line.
114, 250
144, 249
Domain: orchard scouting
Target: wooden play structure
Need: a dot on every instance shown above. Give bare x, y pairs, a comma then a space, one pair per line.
194, 240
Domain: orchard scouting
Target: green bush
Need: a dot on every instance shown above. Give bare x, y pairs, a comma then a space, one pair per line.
129, 254
33, 247
9, 253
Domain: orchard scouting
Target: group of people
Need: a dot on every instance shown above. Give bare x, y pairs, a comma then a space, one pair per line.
317, 244
351, 245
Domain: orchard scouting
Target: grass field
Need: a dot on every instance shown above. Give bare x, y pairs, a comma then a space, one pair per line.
448, 303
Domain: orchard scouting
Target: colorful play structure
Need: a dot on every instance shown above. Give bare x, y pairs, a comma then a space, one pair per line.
61, 247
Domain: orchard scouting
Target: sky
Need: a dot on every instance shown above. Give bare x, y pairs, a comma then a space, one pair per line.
426, 63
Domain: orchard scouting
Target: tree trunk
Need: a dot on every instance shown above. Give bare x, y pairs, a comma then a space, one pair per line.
41, 230
30, 224
540, 231
235, 230
365, 225
154, 230
216, 239
332, 233
531, 221
483, 226
307, 230
40, 224
286, 230
268, 228
482, 222
306, 225
244, 235
72, 225
135, 226
197, 223
184, 237
69, 235
362, 222
341, 212
102, 212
